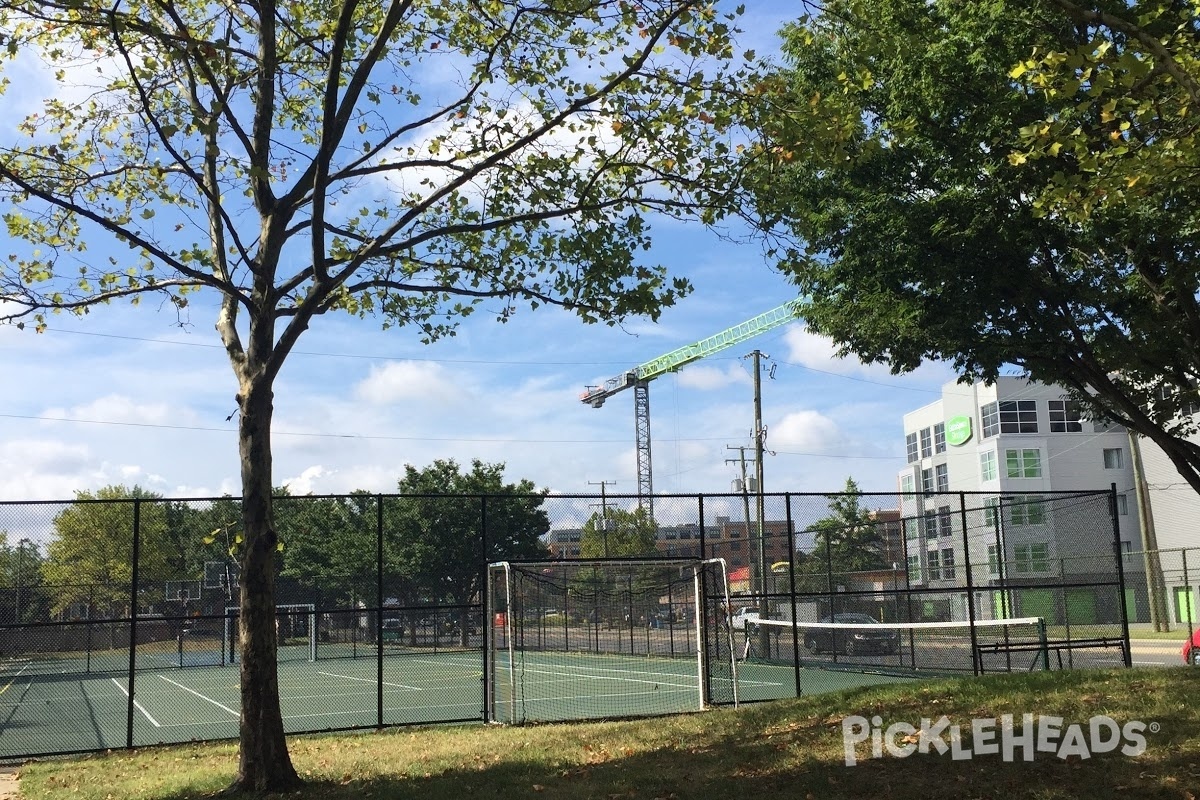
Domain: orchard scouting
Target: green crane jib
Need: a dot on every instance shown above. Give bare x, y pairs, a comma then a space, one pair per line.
639, 377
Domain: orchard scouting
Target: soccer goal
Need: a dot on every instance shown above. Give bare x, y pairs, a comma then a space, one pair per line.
296, 629
595, 638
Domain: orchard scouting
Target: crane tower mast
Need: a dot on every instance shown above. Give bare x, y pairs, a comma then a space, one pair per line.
640, 376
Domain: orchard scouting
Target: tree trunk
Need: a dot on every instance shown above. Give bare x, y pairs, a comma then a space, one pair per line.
264, 764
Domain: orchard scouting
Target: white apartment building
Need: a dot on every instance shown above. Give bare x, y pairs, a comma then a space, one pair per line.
1007, 447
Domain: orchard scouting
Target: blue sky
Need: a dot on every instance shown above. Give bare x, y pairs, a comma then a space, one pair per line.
127, 395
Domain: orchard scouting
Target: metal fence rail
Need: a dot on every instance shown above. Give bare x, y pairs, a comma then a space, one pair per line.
118, 619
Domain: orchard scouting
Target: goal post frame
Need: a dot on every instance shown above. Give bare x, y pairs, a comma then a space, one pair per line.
232, 613
506, 625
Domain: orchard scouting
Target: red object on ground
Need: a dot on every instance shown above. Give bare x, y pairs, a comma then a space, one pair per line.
1191, 649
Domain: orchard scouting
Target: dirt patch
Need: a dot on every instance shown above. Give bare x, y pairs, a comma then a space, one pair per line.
8, 785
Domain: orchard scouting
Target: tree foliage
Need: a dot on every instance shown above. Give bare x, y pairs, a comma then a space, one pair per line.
619, 533
399, 159
849, 537
997, 185
89, 560
434, 542
21, 596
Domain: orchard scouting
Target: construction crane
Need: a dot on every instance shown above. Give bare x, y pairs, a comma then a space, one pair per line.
640, 376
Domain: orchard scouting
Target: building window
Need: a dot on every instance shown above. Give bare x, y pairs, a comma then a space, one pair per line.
945, 527
1027, 509
927, 480
1122, 505
1023, 463
914, 568
1033, 557
948, 564
926, 443
931, 524
1114, 458
1127, 551
942, 476
1018, 416
987, 465
735, 546
991, 512
939, 438
910, 444
907, 484
993, 556
991, 419
935, 567
911, 529
1065, 417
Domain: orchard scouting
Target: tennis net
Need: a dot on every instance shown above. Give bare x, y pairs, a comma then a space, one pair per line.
858, 641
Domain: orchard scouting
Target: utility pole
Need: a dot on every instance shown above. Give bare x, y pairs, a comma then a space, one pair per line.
744, 486
760, 436
603, 510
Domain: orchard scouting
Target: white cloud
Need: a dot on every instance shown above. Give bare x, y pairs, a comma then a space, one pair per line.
117, 409
708, 378
402, 381
307, 481
807, 432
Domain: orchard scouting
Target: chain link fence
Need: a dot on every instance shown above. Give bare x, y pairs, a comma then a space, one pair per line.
119, 619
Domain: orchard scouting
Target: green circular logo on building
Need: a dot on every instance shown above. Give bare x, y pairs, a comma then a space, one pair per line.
958, 430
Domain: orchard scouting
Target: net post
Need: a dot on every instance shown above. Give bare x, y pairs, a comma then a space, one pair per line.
312, 633
1044, 642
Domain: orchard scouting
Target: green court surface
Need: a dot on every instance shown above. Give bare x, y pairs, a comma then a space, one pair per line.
55, 706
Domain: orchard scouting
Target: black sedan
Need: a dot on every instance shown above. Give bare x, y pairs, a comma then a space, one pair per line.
854, 640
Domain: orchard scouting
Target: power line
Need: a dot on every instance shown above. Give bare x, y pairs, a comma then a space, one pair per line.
356, 436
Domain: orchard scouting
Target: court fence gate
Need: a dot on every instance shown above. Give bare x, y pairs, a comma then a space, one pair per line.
118, 618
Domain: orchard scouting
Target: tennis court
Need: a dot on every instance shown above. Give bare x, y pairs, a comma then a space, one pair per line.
53, 706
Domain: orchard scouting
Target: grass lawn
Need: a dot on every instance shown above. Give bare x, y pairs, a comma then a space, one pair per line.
783, 749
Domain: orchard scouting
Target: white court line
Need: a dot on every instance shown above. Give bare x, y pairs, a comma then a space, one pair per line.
583, 674
202, 697
137, 705
371, 680
14, 677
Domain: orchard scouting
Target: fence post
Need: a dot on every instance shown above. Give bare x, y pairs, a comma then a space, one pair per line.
791, 548
1116, 525
133, 614
379, 612
487, 629
976, 659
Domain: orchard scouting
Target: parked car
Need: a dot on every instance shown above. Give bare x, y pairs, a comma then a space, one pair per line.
393, 630
742, 616
852, 641
1191, 649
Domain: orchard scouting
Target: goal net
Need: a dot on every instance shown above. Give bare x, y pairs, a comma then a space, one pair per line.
594, 638
858, 641
295, 627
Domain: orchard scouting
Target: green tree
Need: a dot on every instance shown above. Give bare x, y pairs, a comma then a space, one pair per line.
927, 215
400, 159
849, 536
89, 560
439, 527
618, 533
330, 546
21, 596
